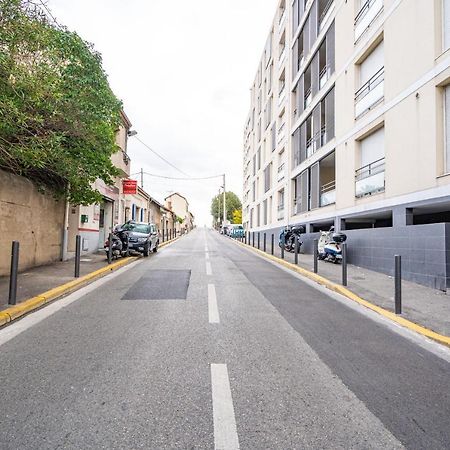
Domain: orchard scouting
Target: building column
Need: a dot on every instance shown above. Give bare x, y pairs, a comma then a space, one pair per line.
402, 217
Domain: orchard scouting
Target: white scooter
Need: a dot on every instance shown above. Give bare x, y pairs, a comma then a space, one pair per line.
329, 246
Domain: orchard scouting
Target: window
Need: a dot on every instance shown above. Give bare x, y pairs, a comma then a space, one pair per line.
265, 212
254, 191
258, 215
280, 215
267, 177
371, 81
258, 158
446, 23
369, 178
447, 128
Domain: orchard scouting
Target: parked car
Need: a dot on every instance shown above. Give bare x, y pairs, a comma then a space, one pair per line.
237, 231
142, 237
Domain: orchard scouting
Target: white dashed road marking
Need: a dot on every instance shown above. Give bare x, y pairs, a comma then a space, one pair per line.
208, 268
212, 305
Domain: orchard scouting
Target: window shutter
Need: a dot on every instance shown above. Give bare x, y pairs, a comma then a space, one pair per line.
295, 15
330, 114
301, 96
330, 46
372, 148
371, 65
302, 142
446, 24
315, 74
295, 59
447, 128
313, 24
304, 191
315, 188
306, 38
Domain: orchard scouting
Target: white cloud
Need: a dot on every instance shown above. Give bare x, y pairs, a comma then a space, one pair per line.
183, 70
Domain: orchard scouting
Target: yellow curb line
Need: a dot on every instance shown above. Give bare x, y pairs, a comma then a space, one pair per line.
442, 339
27, 306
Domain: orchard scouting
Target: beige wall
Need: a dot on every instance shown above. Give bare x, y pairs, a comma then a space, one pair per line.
34, 219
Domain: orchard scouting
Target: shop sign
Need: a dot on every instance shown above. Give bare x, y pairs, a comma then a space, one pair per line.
129, 186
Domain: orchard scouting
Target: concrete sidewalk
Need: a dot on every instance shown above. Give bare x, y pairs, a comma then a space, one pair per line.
422, 305
40, 279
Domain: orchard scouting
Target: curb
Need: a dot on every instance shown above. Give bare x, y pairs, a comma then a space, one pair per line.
442, 339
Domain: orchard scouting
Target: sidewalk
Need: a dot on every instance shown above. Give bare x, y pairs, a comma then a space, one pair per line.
421, 305
40, 279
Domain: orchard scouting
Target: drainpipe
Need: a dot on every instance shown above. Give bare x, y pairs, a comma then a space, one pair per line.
65, 232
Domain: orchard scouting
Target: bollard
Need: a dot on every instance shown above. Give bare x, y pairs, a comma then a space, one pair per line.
264, 243
296, 249
78, 255
344, 264
258, 239
12, 298
282, 250
110, 248
272, 243
170, 234
253, 239
398, 284
316, 254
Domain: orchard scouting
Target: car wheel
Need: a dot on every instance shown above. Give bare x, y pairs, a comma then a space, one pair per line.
155, 248
146, 250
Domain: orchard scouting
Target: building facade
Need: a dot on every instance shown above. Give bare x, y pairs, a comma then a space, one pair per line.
349, 126
180, 206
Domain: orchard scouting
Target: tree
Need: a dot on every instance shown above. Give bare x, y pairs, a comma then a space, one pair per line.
232, 203
237, 216
58, 115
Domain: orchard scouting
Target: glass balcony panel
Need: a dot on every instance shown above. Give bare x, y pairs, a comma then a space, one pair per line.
328, 193
370, 179
366, 16
370, 93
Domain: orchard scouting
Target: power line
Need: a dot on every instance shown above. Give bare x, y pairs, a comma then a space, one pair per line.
177, 178
164, 159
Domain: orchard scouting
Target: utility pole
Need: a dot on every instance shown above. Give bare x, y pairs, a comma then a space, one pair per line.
224, 201
218, 210
142, 178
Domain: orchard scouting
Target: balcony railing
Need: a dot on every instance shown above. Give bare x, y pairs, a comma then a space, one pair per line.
370, 93
280, 172
328, 193
323, 76
281, 96
370, 179
280, 212
366, 15
281, 133
326, 13
308, 97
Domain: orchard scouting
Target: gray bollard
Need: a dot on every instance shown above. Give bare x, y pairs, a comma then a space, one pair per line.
272, 244
316, 254
110, 248
259, 238
282, 250
78, 255
264, 243
398, 284
12, 298
253, 239
296, 249
344, 264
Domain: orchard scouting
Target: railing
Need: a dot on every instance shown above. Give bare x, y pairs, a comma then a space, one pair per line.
280, 212
323, 135
325, 14
323, 77
281, 96
281, 133
328, 193
281, 172
370, 179
301, 60
366, 15
308, 97
370, 93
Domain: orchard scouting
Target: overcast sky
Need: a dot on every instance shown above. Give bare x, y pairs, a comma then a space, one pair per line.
183, 69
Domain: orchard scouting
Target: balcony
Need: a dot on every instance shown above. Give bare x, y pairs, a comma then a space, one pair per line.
121, 160
366, 15
324, 75
328, 193
308, 97
281, 133
325, 14
370, 94
280, 173
281, 96
280, 212
370, 178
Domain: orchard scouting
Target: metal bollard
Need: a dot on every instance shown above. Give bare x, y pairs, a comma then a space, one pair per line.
316, 254
253, 239
272, 244
12, 298
296, 249
398, 284
258, 238
110, 248
344, 264
78, 255
264, 243
282, 250
170, 234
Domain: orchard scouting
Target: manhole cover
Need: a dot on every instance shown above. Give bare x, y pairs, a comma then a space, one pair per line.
160, 285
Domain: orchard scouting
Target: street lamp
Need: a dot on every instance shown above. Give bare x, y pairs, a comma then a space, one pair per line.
131, 133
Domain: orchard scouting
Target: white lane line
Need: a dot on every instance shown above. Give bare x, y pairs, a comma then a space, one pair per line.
206, 255
213, 309
208, 268
225, 433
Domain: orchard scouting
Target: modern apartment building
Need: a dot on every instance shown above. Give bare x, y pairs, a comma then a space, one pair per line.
349, 125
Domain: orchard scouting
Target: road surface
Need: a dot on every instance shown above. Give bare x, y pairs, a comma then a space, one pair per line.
206, 345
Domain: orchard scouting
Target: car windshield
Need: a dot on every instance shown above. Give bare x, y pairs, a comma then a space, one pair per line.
137, 227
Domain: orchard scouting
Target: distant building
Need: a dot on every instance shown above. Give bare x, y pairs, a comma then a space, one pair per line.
180, 206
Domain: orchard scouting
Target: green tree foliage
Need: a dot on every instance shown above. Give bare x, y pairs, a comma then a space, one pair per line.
232, 203
58, 115
237, 216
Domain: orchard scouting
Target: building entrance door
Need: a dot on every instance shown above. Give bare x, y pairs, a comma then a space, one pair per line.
105, 222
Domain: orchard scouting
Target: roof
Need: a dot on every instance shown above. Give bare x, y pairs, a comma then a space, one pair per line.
125, 120
179, 195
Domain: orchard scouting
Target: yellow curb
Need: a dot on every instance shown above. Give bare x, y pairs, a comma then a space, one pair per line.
16, 311
442, 339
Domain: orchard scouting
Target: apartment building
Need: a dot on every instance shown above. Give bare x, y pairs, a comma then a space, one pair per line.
349, 126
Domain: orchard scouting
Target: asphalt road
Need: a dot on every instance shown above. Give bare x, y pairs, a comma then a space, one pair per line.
205, 345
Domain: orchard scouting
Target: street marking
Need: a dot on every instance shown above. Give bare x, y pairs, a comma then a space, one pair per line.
208, 268
225, 433
212, 305
206, 255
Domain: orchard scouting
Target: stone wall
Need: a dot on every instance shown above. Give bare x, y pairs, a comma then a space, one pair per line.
30, 217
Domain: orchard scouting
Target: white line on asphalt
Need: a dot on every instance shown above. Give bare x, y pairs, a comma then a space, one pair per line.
15, 328
212, 305
208, 268
225, 433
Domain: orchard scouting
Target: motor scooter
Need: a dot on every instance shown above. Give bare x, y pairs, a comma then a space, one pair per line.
119, 244
329, 248
287, 237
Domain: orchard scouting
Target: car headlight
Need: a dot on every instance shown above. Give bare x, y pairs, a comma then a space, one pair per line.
142, 239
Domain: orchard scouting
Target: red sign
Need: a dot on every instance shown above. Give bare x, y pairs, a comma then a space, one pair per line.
129, 186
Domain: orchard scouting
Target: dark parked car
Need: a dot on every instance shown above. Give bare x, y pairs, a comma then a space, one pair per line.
142, 237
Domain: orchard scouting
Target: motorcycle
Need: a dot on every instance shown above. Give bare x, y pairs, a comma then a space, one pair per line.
287, 238
119, 244
329, 248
